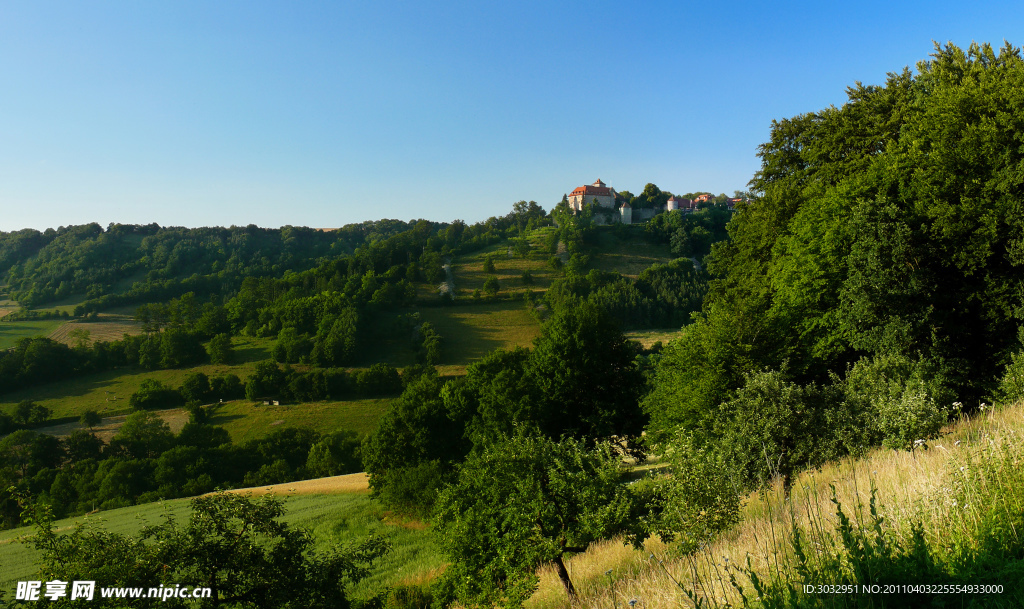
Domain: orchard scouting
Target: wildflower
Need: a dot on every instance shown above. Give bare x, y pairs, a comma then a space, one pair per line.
608, 572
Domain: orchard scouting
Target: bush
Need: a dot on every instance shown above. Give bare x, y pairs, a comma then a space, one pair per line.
1011, 385
153, 394
491, 286
895, 401
379, 379
702, 495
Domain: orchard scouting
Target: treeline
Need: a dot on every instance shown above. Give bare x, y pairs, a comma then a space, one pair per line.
146, 462
134, 264
663, 295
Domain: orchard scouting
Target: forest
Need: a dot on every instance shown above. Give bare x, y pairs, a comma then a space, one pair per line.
866, 294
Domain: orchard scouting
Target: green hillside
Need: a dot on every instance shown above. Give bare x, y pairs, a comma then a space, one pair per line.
337, 518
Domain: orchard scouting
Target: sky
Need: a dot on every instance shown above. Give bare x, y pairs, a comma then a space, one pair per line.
323, 114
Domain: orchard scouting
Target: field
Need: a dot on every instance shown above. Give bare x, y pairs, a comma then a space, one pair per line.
7, 306
245, 421
649, 337
107, 392
107, 327
337, 511
12, 331
472, 331
469, 272
627, 252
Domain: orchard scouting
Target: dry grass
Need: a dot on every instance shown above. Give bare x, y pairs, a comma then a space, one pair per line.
910, 486
108, 327
349, 483
108, 426
7, 306
649, 337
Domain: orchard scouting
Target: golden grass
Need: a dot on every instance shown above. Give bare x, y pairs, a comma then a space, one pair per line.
108, 327
909, 486
649, 337
348, 483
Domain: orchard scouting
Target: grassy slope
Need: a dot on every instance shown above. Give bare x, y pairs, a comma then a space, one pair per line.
12, 331
910, 487
337, 518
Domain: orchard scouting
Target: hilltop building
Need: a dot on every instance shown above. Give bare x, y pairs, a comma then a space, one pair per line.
604, 194
606, 204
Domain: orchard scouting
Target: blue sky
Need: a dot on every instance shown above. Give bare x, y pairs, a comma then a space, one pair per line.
323, 114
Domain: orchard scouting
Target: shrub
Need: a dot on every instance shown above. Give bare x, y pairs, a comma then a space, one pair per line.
895, 401
153, 394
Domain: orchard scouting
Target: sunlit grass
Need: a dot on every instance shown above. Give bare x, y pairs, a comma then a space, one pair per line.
332, 519
910, 487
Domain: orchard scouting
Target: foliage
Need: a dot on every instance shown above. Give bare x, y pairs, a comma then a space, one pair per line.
522, 502
336, 454
895, 402
220, 350
153, 394
889, 225
701, 496
233, 544
415, 447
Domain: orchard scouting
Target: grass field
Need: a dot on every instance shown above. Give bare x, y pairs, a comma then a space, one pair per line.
469, 272
472, 331
246, 421
627, 253
107, 392
107, 327
337, 516
12, 331
7, 306
649, 337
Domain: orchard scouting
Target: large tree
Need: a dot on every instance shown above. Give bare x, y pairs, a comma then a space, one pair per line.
890, 225
522, 502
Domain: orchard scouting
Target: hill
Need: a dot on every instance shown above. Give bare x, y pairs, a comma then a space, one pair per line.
336, 510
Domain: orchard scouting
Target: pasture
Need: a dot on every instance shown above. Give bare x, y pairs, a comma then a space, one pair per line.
12, 331
472, 331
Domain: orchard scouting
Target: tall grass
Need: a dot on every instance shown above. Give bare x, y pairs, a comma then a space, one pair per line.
949, 514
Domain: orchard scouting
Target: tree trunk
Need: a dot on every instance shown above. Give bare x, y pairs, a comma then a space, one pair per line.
563, 575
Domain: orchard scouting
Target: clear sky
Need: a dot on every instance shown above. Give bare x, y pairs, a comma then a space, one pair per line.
326, 113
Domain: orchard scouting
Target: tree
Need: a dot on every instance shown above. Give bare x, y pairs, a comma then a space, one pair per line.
491, 286
414, 449
520, 503
195, 388
233, 544
583, 370
154, 394
90, 418
219, 349
143, 435
334, 455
